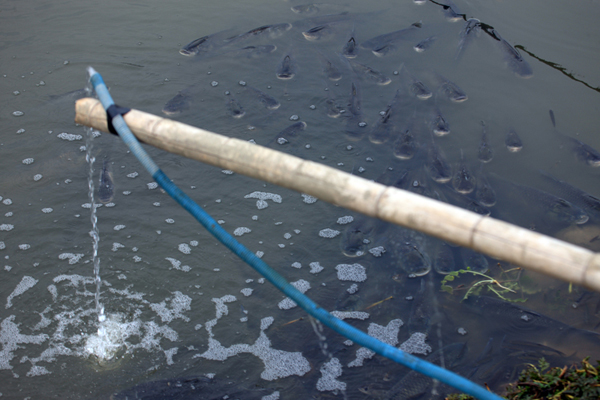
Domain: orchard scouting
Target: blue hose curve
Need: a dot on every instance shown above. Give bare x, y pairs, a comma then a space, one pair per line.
339, 326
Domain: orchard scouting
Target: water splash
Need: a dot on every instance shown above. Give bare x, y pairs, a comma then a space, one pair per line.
94, 233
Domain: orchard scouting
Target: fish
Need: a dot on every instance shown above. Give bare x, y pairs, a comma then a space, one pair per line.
268, 101
358, 234
383, 129
513, 141
273, 31
451, 11
350, 49
414, 384
583, 152
473, 260
286, 68
485, 152
332, 72
443, 258
257, 51
181, 102
354, 104
513, 59
484, 193
318, 33
589, 203
334, 110
384, 50
408, 247
450, 89
415, 86
439, 125
205, 44
355, 126
234, 108
369, 72
436, 164
290, 132
469, 32
106, 187
306, 9
388, 38
462, 179
405, 145
450, 196
550, 205
424, 44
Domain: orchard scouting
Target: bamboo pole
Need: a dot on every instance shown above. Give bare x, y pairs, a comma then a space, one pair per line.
487, 235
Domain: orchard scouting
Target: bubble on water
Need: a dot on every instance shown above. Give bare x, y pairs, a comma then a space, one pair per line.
220, 221
194, 243
416, 344
241, 230
377, 251
9, 214
17, 113
352, 289
152, 185
7, 267
174, 310
288, 303
2, 245
255, 218
6, 227
132, 175
282, 140
116, 246
315, 267
126, 193
69, 136
462, 331
214, 83
362, 124
7, 202
184, 248
109, 205
246, 291
361, 170
361, 315
37, 177
28, 161
242, 83
11, 338
261, 203
170, 221
272, 396
351, 272
73, 258
328, 233
345, 220
259, 253
119, 227
137, 259
294, 118
227, 172
525, 317
177, 265
387, 334
296, 265
369, 159
16, 93
309, 199
24, 246
27, 282
66, 62
20, 131
329, 371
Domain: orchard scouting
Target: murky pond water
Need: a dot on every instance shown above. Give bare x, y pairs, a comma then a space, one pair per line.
178, 305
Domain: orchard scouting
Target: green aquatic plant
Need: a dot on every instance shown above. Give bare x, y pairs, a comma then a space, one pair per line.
500, 288
542, 382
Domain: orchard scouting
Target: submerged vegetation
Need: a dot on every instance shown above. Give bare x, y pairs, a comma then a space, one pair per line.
507, 282
542, 382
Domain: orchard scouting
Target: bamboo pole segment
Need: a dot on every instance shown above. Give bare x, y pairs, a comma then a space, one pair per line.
487, 235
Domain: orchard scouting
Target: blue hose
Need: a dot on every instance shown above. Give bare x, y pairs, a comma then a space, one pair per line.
348, 331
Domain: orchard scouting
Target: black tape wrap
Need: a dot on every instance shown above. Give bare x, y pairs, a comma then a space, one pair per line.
112, 112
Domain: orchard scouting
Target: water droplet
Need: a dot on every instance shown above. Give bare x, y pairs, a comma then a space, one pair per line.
17, 113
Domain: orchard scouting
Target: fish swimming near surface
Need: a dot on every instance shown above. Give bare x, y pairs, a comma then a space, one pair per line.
513, 141
439, 125
106, 187
454, 93
206, 44
467, 35
436, 164
484, 193
463, 180
268, 101
424, 44
485, 152
286, 69
370, 73
589, 203
514, 60
381, 41
257, 51
289, 133
350, 49
583, 152
180, 103
234, 108
414, 85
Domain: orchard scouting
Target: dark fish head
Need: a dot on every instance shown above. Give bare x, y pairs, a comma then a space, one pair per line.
568, 212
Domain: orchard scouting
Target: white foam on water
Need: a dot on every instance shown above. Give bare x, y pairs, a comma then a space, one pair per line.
345, 220
362, 315
272, 396
119, 227
2, 245
24, 246
328, 233
194, 243
377, 251
177, 264
152, 185
185, 248
351, 272
296, 265
308, 199
179, 304
246, 291
169, 355
315, 267
6, 227
352, 289
69, 136
116, 246
28, 161
287, 235
416, 344
329, 371
170, 221
262, 197
7, 202
47, 210
53, 292
73, 258
387, 334
37, 177
288, 303
11, 338
241, 230
132, 175
9, 214
26, 283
